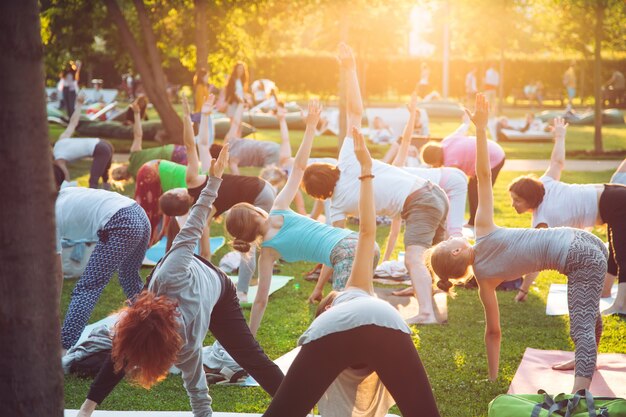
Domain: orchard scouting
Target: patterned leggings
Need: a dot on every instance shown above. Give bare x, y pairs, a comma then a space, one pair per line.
121, 247
342, 258
586, 265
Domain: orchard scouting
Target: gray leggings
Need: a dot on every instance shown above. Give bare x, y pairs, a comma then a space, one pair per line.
586, 265
102, 156
247, 266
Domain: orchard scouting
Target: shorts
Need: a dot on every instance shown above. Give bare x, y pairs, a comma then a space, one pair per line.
425, 212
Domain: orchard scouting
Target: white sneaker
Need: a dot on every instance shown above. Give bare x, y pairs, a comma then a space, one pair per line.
243, 297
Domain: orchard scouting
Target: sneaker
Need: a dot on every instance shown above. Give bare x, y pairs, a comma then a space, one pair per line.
243, 297
225, 377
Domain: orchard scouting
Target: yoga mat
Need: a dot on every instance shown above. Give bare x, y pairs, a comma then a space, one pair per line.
157, 251
278, 282
535, 372
408, 306
103, 413
557, 300
283, 362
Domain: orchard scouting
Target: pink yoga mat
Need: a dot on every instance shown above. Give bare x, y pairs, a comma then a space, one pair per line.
535, 372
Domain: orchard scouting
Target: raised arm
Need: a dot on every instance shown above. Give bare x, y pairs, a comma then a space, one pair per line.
181, 252
285, 143
484, 213
193, 177
75, 118
362, 275
557, 159
462, 129
285, 197
206, 134
403, 152
137, 144
355, 103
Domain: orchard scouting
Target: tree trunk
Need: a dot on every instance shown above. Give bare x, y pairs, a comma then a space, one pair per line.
202, 35
597, 79
30, 346
152, 75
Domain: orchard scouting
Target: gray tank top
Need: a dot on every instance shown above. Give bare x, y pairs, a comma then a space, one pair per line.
510, 253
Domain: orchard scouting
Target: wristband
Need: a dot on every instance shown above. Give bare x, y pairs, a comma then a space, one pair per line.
362, 177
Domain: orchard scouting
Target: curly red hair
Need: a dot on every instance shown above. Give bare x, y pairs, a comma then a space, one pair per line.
146, 339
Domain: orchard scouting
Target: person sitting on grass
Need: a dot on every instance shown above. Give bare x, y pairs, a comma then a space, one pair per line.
186, 297
69, 149
139, 156
554, 203
423, 205
503, 254
356, 336
235, 189
287, 235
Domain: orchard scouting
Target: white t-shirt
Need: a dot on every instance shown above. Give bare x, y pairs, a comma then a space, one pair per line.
392, 186
82, 212
351, 309
492, 77
356, 393
72, 149
570, 205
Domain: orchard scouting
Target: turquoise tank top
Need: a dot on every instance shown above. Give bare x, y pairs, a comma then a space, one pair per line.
304, 239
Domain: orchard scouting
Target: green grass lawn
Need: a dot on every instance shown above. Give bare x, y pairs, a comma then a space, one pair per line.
453, 354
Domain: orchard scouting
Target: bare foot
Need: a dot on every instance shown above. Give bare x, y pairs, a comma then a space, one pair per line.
407, 292
564, 366
422, 319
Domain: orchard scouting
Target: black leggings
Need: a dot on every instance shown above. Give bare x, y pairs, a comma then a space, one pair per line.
390, 353
102, 157
613, 212
229, 327
472, 191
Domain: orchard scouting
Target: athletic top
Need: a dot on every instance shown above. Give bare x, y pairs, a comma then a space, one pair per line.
72, 149
237, 189
254, 153
510, 253
356, 393
303, 239
197, 288
445, 177
392, 185
619, 178
82, 212
354, 308
571, 205
460, 151
172, 175
138, 158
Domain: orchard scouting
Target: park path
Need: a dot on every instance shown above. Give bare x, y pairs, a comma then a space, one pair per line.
524, 165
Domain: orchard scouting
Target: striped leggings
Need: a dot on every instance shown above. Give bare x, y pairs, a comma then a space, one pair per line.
585, 268
121, 247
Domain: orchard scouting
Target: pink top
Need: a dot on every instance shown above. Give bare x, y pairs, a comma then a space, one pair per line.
460, 151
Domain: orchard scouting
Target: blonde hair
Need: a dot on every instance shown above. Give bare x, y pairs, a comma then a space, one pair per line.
274, 175
445, 267
241, 224
118, 184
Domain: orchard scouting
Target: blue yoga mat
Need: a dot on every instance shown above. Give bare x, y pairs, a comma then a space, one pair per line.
157, 251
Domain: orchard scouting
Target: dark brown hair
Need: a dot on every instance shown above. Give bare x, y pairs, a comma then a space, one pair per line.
319, 180
241, 224
326, 301
146, 340
445, 266
529, 188
215, 150
171, 205
231, 96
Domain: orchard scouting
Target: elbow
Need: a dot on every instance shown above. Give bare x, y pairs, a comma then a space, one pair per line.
493, 333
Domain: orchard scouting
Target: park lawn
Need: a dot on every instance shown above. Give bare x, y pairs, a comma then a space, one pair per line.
453, 354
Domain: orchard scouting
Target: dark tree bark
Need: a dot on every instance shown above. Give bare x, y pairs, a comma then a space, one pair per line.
597, 77
31, 380
152, 75
202, 35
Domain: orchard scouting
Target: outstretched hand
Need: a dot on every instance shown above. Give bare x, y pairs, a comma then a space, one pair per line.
480, 117
361, 151
346, 57
313, 115
218, 165
207, 107
560, 128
